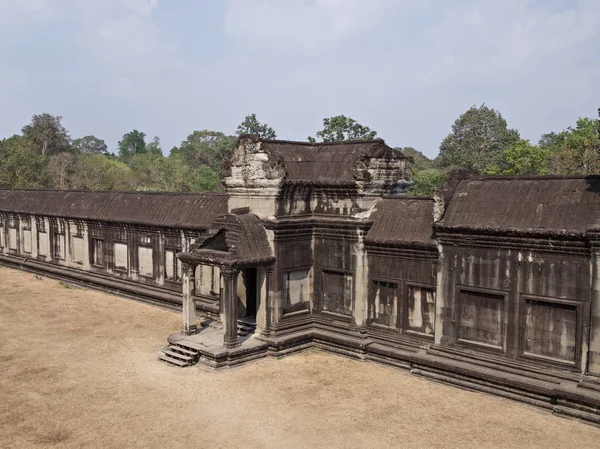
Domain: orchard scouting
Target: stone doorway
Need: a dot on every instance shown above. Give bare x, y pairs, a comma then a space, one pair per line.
249, 276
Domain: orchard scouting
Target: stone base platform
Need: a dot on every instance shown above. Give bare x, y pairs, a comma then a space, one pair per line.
562, 393
207, 343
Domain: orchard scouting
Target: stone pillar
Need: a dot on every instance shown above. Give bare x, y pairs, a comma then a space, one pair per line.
361, 282
267, 291
188, 284
261, 299
229, 306
592, 358
441, 296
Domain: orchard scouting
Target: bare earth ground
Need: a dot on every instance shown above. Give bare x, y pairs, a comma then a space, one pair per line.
78, 368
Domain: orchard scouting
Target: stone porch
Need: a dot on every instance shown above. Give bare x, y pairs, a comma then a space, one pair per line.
206, 345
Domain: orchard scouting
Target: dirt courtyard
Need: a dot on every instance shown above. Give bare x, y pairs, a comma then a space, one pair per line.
78, 368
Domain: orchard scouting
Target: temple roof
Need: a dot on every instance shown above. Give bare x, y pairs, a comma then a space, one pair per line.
232, 240
551, 205
331, 163
403, 221
176, 210
327, 162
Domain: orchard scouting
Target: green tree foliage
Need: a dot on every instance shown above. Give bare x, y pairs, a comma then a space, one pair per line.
341, 128
153, 148
426, 179
171, 174
133, 143
206, 179
251, 125
598, 132
427, 182
420, 161
21, 164
60, 168
157, 173
205, 148
575, 151
47, 134
523, 158
552, 141
477, 142
86, 164
90, 144
97, 172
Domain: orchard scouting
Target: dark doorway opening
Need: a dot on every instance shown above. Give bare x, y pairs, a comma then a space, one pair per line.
250, 282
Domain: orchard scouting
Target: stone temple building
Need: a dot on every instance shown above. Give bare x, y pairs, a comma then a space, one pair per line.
493, 285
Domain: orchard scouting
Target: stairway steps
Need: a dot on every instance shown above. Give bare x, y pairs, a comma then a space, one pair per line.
178, 355
244, 328
183, 350
173, 361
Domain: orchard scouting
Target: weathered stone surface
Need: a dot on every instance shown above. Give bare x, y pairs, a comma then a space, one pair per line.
493, 285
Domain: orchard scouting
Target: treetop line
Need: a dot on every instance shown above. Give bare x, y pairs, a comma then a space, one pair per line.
480, 141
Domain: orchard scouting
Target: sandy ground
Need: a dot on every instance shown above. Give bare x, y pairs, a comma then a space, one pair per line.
78, 368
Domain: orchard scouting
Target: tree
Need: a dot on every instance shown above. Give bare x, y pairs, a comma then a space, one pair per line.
552, 141
133, 143
47, 134
251, 125
575, 150
90, 144
341, 128
97, 172
598, 132
523, 158
206, 179
426, 182
477, 142
153, 148
21, 165
205, 148
420, 161
60, 169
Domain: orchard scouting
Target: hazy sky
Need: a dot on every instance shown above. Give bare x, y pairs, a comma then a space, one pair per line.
407, 69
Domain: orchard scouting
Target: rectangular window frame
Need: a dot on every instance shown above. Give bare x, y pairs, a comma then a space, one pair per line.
114, 253
58, 250
284, 299
42, 252
399, 312
23, 240
94, 260
150, 247
578, 305
176, 264
470, 344
325, 270
15, 230
406, 330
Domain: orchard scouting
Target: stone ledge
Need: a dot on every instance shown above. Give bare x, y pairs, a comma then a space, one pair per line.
560, 396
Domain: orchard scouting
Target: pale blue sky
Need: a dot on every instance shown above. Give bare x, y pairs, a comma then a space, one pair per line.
405, 68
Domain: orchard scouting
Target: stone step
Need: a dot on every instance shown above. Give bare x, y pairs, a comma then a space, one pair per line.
186, 351
173, 361
178, 355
